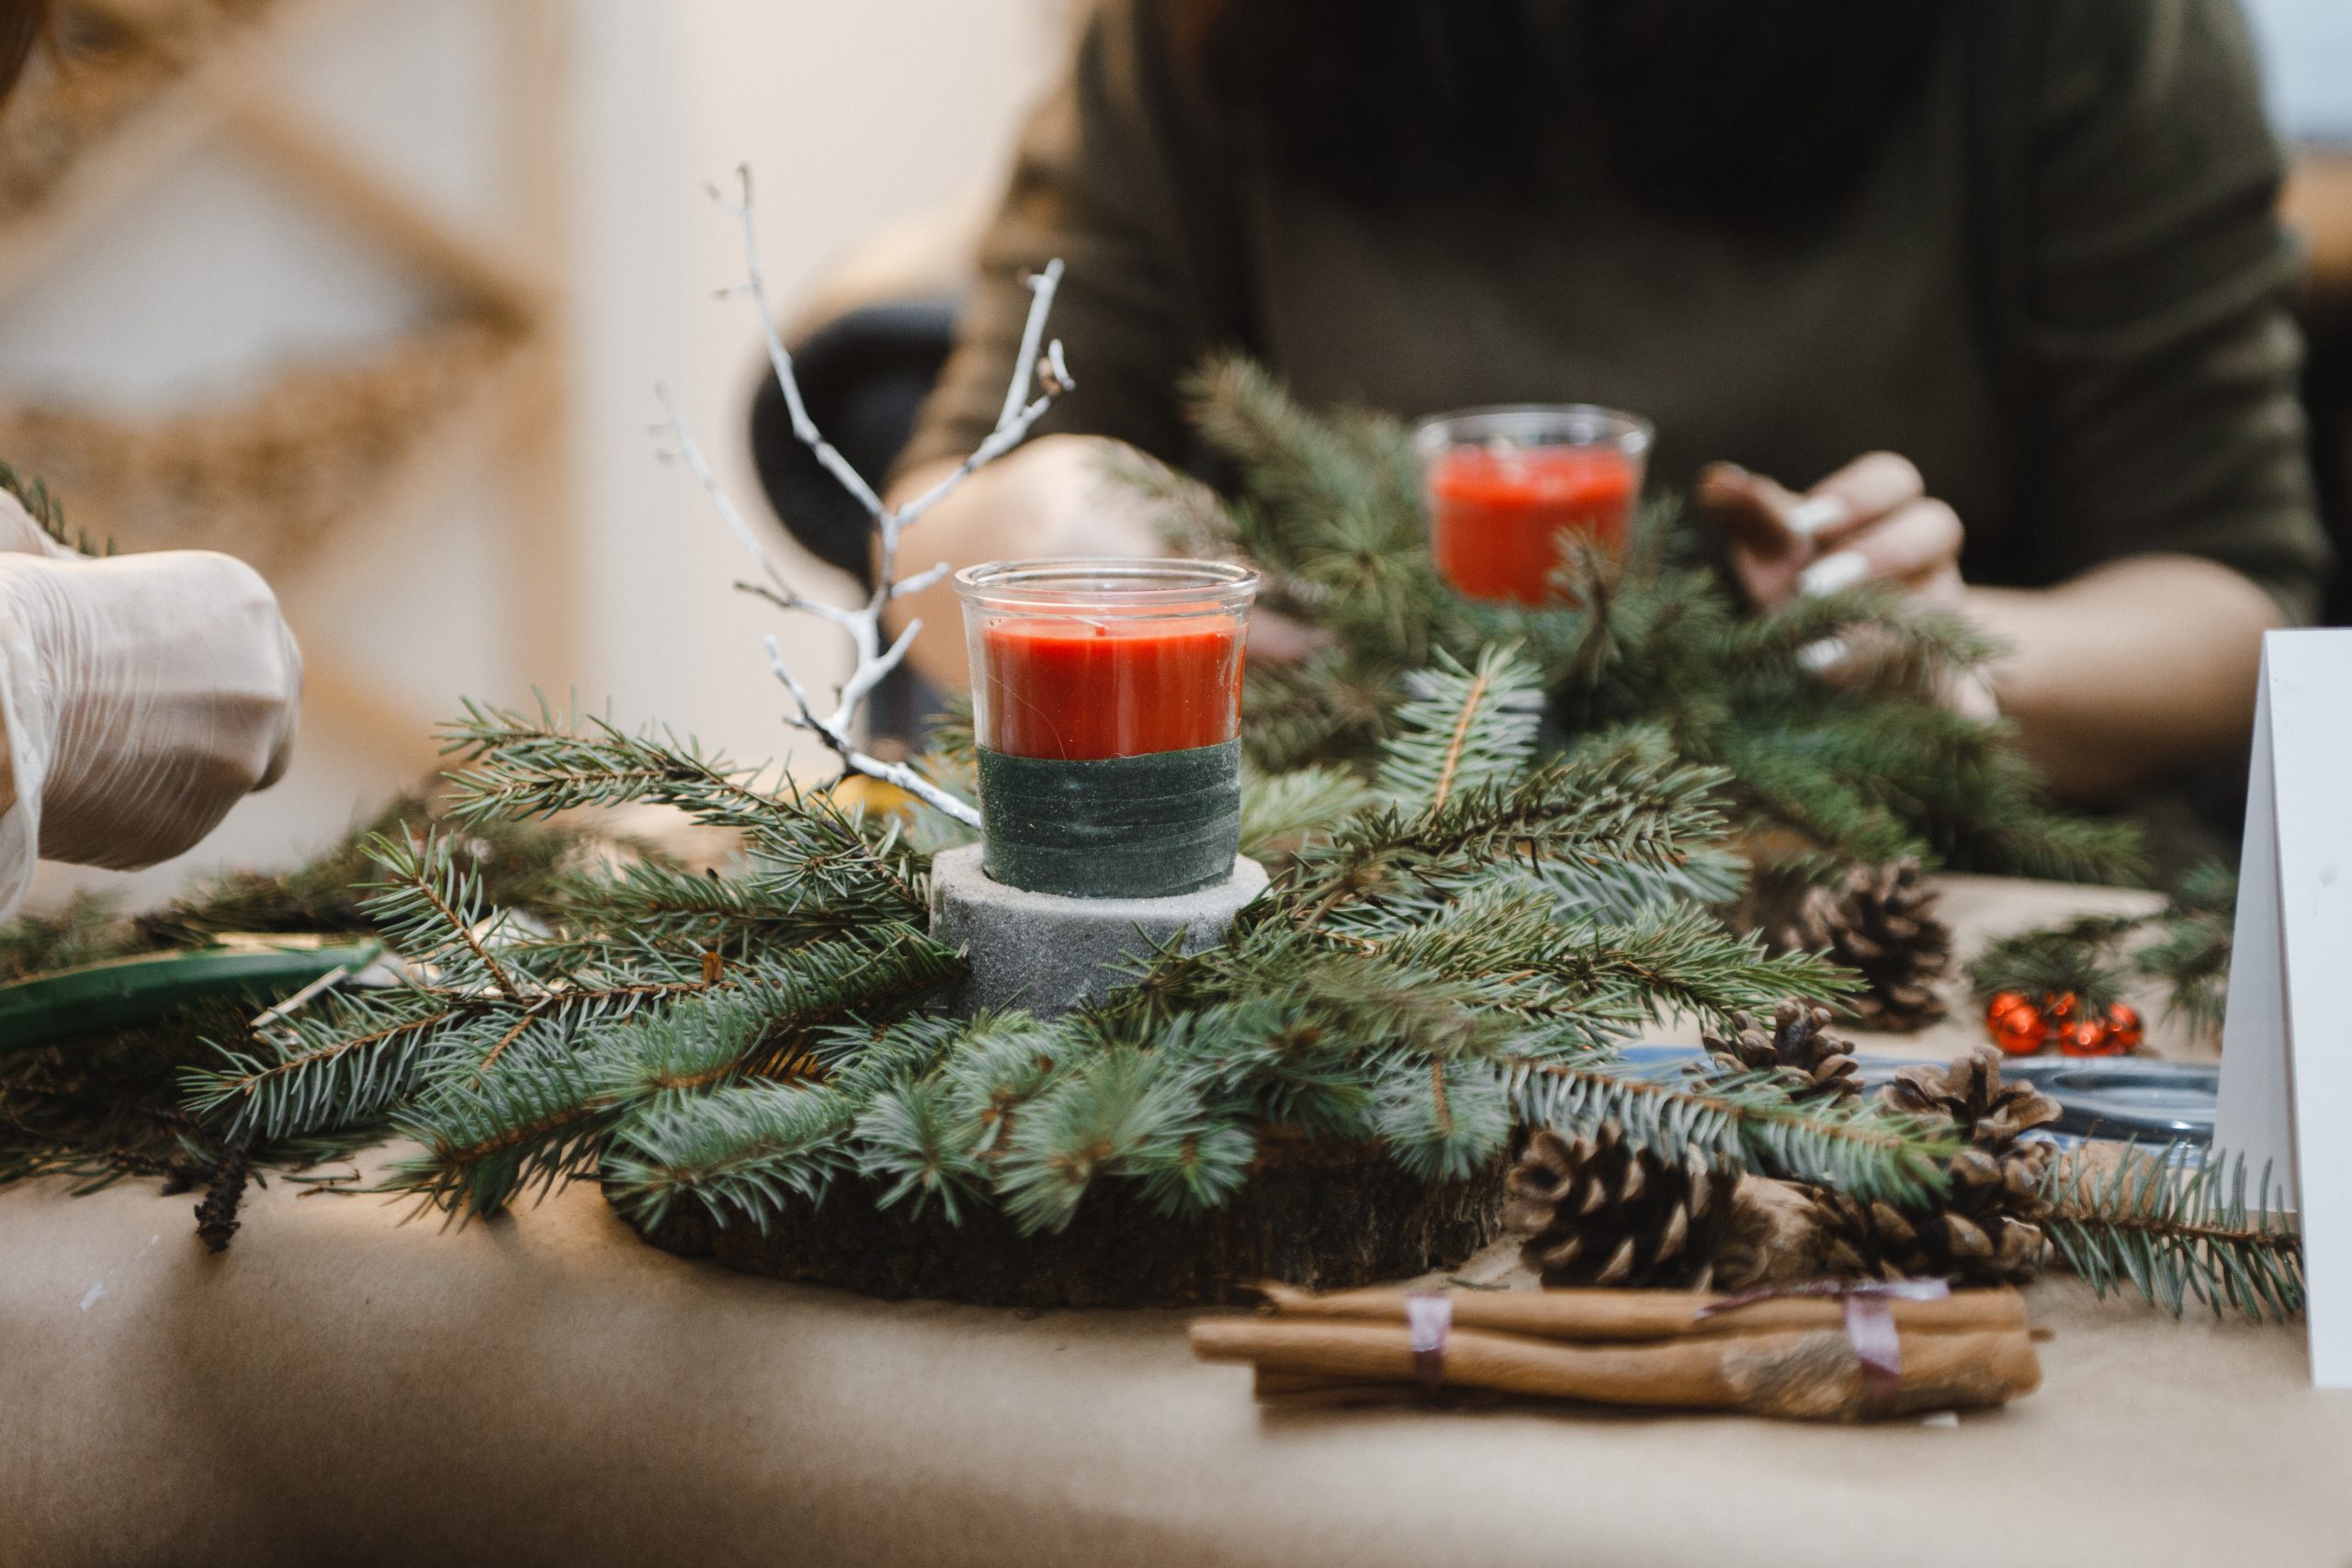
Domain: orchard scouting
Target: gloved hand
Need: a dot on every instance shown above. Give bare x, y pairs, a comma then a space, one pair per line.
141, 696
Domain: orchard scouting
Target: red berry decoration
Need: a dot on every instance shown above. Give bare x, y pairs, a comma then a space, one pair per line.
2086, 1037
2016, 1025
2124, 1032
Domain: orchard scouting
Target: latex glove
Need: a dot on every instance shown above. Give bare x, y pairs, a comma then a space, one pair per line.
141, 696
19, 534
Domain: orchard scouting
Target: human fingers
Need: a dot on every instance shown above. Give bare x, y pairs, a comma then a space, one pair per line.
1858, 495
1915, 543
1751, 509
1276, 639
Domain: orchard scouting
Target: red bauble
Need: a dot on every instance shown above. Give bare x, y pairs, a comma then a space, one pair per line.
2059, 1007
2016, 1025
2086, 1037
2124, 1031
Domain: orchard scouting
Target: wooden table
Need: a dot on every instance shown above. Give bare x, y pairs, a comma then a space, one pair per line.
341, 1387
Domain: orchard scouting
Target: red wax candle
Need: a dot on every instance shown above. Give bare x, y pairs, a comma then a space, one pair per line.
1082, 690
1497, 514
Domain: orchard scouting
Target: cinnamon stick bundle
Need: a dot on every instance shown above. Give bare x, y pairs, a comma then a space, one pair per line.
1805, 1373
1613, 1315
1786, 1356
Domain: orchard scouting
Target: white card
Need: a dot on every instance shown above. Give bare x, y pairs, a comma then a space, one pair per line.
2286, 1063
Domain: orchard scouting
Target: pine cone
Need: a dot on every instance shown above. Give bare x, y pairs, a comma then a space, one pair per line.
1599, 1212
1987, 1228
1880, 920
1814, 1064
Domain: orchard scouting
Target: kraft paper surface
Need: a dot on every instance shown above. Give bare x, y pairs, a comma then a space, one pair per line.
343, 1387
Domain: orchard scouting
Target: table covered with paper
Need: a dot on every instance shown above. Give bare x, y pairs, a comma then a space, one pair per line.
340, 1386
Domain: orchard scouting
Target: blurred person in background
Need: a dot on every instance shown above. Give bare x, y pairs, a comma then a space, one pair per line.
1998, 282
141, 696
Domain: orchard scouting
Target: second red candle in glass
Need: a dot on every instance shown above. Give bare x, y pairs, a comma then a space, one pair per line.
1508, 488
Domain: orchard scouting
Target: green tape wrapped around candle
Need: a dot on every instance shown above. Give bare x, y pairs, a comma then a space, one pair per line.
1148, 827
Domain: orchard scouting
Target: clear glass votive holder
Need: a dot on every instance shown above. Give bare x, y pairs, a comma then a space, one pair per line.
1107, 702
1508, 488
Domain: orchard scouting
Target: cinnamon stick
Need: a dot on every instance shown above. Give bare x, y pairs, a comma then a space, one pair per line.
1588, 1316
1811, 1374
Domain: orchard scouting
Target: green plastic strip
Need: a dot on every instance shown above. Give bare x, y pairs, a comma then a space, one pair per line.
1146, 827
124, 991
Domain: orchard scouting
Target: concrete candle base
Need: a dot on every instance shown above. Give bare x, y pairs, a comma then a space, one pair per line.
1047, 953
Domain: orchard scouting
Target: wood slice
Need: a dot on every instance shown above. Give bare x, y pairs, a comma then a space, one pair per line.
1318, 1216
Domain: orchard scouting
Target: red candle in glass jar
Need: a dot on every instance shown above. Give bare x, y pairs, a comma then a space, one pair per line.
1509, 488
1090, 661
1082, 690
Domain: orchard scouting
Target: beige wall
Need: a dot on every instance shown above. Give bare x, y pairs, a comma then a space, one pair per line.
854, 113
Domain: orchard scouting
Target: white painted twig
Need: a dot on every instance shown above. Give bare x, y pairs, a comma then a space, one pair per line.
863, 623
897, 774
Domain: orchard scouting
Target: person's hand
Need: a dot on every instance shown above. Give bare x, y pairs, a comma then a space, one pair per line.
1871, 520
141, 695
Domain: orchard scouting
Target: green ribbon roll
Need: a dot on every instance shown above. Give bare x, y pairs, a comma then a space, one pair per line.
1148, 827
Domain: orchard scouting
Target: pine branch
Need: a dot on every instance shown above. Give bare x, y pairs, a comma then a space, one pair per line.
1622, 811
486, 1136
1122, 1112
86, 930
510, 765
1745, 1118
430, 906
2185, 947
1443, 1120
2178, 1227
2082, 956
1326, 710
2191, 953
516, 866
542, 1114
1463, 728
916, 1142
1615, 893
1284, 813
746, 1151
317, 1074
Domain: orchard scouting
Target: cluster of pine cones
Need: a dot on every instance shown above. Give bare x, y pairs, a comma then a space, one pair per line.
1597, 1211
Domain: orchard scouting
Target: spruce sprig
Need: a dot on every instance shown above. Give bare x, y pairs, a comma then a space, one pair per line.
507, 763
2177, 1225
1463, 728
1747, 1119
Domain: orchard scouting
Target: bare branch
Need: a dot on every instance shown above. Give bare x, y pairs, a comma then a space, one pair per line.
1013, 424
868, 675
780, 359
919, 581
817, 607
693, 455
1033, 332
897, 774
1042, 368
914, 783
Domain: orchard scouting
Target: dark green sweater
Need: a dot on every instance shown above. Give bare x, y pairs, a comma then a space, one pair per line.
2062, 293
